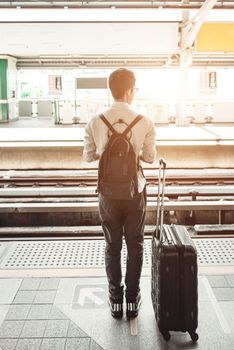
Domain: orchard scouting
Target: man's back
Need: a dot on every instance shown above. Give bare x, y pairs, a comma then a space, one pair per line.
142, 135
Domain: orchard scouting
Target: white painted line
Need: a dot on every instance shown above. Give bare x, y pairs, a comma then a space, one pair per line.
216, 270
28, 273
133, 326
3, 312
222, 320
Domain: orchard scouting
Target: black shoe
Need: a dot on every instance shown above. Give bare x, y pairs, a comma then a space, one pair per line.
133, 307
116, 308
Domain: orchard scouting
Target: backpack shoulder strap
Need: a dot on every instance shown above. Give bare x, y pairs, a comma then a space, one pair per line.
132, 124
108, 124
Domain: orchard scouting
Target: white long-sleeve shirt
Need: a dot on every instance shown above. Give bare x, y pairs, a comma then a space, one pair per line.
142, 137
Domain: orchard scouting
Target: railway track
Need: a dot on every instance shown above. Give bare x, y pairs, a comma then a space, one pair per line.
61, 197
87, 177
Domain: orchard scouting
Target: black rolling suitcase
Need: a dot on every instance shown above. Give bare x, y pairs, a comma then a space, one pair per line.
174, 273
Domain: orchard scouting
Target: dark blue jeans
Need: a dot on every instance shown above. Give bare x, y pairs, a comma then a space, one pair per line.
123, 218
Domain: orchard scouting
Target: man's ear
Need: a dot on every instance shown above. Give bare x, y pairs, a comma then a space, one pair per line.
129, 91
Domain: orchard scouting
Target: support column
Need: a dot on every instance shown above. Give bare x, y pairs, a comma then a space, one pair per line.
184, 64
189, 31
181, 117
3, 91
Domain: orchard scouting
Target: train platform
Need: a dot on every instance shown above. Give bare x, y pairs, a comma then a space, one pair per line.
61, 148
45, 133
53, 295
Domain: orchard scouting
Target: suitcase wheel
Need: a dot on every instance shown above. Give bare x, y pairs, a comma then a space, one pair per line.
194, 336
166, 335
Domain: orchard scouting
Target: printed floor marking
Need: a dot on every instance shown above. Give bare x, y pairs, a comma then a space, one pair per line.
222, 320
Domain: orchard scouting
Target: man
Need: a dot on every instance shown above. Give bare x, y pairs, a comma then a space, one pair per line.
122, 217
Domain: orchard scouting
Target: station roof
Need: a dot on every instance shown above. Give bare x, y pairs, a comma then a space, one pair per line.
55, 33
227, 4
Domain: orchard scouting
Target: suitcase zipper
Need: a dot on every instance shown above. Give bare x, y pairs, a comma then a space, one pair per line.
181, 274
172, 240
168, 235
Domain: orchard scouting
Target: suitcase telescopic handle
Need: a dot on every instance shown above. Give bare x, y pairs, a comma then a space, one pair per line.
160, 199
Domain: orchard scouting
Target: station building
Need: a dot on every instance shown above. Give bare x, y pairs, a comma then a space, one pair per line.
55, 60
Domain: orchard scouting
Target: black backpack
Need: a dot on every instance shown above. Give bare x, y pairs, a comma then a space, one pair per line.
118, 164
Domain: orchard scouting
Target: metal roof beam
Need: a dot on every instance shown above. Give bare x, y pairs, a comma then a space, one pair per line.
191, 28
168, 4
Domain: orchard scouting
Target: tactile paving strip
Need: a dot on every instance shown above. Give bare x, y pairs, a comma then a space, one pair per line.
61, 254
90, 254
215, 251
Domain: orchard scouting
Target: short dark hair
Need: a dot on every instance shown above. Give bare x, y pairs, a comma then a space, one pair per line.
120, 81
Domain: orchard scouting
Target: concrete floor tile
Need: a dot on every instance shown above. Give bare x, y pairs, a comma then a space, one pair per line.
3, 312
49, 284
227, 308
224, 294
75, 332
211, 324
11, 329
57, 314
202, 289
45, 297
30, 284
28, 344
8, 344
56, 329
218, 281
33, 329
39, 312
207, 343
77, 343
94, 345
230, 280
53, 344
117, 332
8, 289
24, 297
84, 319
18, 312
91, 327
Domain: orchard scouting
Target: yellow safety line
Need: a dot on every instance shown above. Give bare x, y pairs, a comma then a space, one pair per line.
133, 326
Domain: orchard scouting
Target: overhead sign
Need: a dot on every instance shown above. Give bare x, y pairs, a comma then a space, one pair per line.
216, 37
91, 83
126, 38
55, 84
208, 82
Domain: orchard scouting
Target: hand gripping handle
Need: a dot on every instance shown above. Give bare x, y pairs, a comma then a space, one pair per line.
162, 163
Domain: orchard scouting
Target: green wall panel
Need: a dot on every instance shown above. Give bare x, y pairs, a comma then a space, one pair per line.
3, 90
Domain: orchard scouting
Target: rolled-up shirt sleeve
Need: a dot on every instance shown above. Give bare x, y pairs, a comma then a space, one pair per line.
148, 152
90, 149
